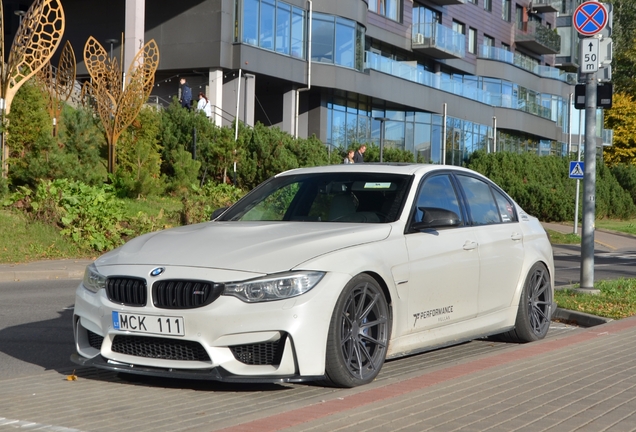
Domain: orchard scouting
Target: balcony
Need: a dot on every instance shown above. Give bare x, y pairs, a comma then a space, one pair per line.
545, 6
537, 38
438, 41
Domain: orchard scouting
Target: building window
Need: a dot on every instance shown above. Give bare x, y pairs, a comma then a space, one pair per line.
519, 17
472, 1
505, 47
424, 19
459, 27
275, 26
336, 40
488, 5
472, 40
505, 10
489, 41
388, 8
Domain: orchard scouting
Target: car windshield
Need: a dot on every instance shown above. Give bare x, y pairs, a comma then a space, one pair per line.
325, 197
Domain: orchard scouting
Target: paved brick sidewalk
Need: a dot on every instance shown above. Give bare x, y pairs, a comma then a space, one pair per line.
582, 381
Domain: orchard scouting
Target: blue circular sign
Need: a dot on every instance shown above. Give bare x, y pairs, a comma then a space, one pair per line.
590, 18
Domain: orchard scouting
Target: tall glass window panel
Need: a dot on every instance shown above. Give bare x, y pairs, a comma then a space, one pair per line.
268, 22
472, 40
488, 5
388, 8
283, 28
393, 9
505, 10
345, 42
298, 33
422, 142
339, 127
322, 42
250, 21
489, 41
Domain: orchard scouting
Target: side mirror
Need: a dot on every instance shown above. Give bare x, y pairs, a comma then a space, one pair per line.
433, 217
218, 212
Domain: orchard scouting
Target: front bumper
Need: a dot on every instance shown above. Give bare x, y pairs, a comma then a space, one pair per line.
212, 374
220, 329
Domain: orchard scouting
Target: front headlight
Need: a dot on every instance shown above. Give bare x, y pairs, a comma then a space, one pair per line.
93, 280
274, 287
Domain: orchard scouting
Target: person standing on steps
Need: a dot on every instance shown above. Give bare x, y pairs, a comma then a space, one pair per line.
186, 94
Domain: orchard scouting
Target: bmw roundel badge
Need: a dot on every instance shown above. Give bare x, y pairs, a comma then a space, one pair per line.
157, 271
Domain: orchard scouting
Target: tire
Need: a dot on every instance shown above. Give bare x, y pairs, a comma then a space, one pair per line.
535, 307
358, 334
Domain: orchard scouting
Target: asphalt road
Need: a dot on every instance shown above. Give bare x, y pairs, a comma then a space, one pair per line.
607, 265
36, 326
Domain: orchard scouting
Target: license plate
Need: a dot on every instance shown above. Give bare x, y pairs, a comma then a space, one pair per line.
163, 325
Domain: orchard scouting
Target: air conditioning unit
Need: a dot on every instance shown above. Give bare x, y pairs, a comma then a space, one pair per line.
419, 39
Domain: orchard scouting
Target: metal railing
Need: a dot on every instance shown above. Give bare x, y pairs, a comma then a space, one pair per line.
436, 35
499, 54
419, 75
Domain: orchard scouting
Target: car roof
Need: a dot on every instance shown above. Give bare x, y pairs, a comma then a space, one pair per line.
380, 168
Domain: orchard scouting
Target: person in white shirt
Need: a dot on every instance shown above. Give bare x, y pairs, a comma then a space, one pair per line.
204, 105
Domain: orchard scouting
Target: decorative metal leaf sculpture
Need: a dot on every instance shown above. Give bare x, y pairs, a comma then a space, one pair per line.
38, 36
116, 104
58, 86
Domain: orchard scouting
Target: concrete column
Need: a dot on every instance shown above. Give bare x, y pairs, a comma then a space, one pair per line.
215, 95
289, 111
134, 37
249, 90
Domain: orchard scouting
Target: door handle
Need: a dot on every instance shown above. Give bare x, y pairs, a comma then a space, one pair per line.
470, 245
516, 236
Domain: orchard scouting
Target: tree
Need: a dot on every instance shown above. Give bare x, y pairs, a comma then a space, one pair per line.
622, 119
139, 158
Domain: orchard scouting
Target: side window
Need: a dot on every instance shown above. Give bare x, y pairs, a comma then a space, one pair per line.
437, 192
506, 209
481, 203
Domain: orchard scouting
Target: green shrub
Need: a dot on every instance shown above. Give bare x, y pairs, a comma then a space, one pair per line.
542, 187
200, 202
90, 215
625, 174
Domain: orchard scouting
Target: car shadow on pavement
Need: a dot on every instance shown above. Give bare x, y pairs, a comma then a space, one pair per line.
47, 344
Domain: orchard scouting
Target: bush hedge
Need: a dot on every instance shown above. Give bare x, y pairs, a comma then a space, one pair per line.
541, 185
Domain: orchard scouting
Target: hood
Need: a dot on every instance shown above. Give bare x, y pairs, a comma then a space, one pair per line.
262, 247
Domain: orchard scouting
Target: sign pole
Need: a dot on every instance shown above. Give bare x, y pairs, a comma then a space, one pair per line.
589, 186
578, 182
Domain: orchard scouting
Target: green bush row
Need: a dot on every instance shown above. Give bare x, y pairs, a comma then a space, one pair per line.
541, 185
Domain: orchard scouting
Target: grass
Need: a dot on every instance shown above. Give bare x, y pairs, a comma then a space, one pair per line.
24, 241
626, 226
616, 300
560, 238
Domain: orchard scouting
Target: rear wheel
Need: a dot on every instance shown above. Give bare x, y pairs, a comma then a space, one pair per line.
535, 307
358, 334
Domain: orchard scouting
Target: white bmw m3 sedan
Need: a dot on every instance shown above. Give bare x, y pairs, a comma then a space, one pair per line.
321, 274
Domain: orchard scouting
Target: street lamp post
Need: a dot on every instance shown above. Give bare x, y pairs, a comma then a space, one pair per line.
20, 14
111, 42
381, 120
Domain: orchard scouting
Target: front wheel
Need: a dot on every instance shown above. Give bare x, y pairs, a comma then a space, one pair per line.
535, 307
358, 334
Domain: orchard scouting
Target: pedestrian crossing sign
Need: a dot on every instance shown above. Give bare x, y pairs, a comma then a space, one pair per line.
577, 168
